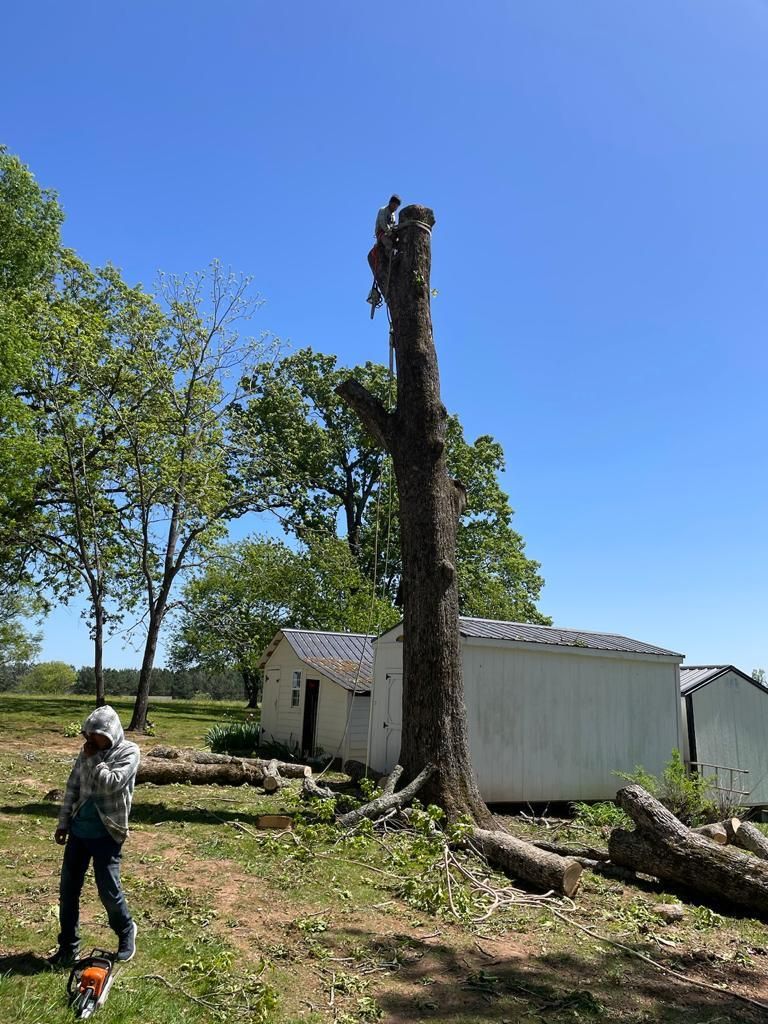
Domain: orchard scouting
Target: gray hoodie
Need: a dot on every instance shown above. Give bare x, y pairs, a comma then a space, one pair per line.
107, 778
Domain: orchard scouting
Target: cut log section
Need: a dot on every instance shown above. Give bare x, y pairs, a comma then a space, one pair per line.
272, 781
286, 769
540, 868
161, 772
750, 838
664, 847
714, 832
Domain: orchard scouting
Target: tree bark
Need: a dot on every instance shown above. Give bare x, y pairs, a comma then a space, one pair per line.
251, 686
162, 772
287, 769
664, 847
715, 833
537, 867
272, 781
139, 718
434, 716
378, 807
748, 837
311, 790
98, 653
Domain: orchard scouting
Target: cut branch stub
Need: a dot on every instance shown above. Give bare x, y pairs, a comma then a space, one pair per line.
378, 807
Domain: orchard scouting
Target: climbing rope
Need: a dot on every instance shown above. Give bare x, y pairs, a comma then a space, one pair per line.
376, 577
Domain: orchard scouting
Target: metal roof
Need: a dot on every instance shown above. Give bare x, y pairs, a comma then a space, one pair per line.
346, 658
694, 676
525, 632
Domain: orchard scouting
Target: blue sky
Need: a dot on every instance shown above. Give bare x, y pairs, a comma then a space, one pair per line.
598, 174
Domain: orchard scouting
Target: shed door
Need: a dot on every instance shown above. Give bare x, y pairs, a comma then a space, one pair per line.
393, 717
270, 696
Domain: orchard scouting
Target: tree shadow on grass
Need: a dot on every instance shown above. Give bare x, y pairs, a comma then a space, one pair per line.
435, 980
23, 963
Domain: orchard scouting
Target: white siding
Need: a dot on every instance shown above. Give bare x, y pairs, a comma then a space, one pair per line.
269, 702
547, 724
730, 720
331, 716
357, 737
284, 723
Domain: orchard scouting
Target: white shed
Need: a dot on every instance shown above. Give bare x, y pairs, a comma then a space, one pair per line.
317, 692
725, 723
552, 713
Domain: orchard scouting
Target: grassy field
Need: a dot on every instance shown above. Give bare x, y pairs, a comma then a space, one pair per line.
318, 926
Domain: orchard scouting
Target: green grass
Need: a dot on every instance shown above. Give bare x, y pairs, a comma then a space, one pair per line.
318, 927
178, 723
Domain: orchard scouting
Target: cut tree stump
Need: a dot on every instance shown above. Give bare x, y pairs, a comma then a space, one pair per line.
544, 870
662, 846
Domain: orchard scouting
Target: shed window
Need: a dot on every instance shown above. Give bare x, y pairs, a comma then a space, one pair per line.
296, 689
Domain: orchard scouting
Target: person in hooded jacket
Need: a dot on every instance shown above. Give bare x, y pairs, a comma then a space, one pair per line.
93, 823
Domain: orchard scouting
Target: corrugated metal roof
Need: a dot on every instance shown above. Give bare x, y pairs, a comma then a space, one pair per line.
525, 632
694, 676
347, 658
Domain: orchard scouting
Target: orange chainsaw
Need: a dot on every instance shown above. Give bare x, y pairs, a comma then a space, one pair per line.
89, 983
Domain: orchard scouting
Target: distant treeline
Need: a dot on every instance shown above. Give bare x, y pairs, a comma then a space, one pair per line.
58, 677
182, 685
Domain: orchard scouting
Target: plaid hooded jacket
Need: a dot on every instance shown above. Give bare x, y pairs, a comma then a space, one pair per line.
107, 778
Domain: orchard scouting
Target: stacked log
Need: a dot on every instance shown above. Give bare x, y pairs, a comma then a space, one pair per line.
662, 846
164, 766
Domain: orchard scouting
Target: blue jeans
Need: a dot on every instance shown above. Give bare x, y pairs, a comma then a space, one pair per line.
106, 854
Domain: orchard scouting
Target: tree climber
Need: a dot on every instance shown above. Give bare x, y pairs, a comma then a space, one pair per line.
381, 253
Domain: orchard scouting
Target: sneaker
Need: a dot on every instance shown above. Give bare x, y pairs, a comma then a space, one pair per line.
127, 948
64, 957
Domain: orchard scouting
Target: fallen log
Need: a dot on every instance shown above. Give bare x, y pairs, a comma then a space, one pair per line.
750, 838
662, 846
378, 807
272, 781
311, 790
594, 853
287, 769
391, 780
162, 772
538, 867
714, 832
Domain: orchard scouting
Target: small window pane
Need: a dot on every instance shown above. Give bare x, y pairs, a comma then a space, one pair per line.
296, 689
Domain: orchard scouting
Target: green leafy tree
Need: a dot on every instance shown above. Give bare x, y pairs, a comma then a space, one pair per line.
180, 471
18, 644
66, 531
255, 587
30, 219
334, 476
49, 677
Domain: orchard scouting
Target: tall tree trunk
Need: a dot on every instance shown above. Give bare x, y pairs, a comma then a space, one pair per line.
434, 714
98, 653
139, 718
251, 685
